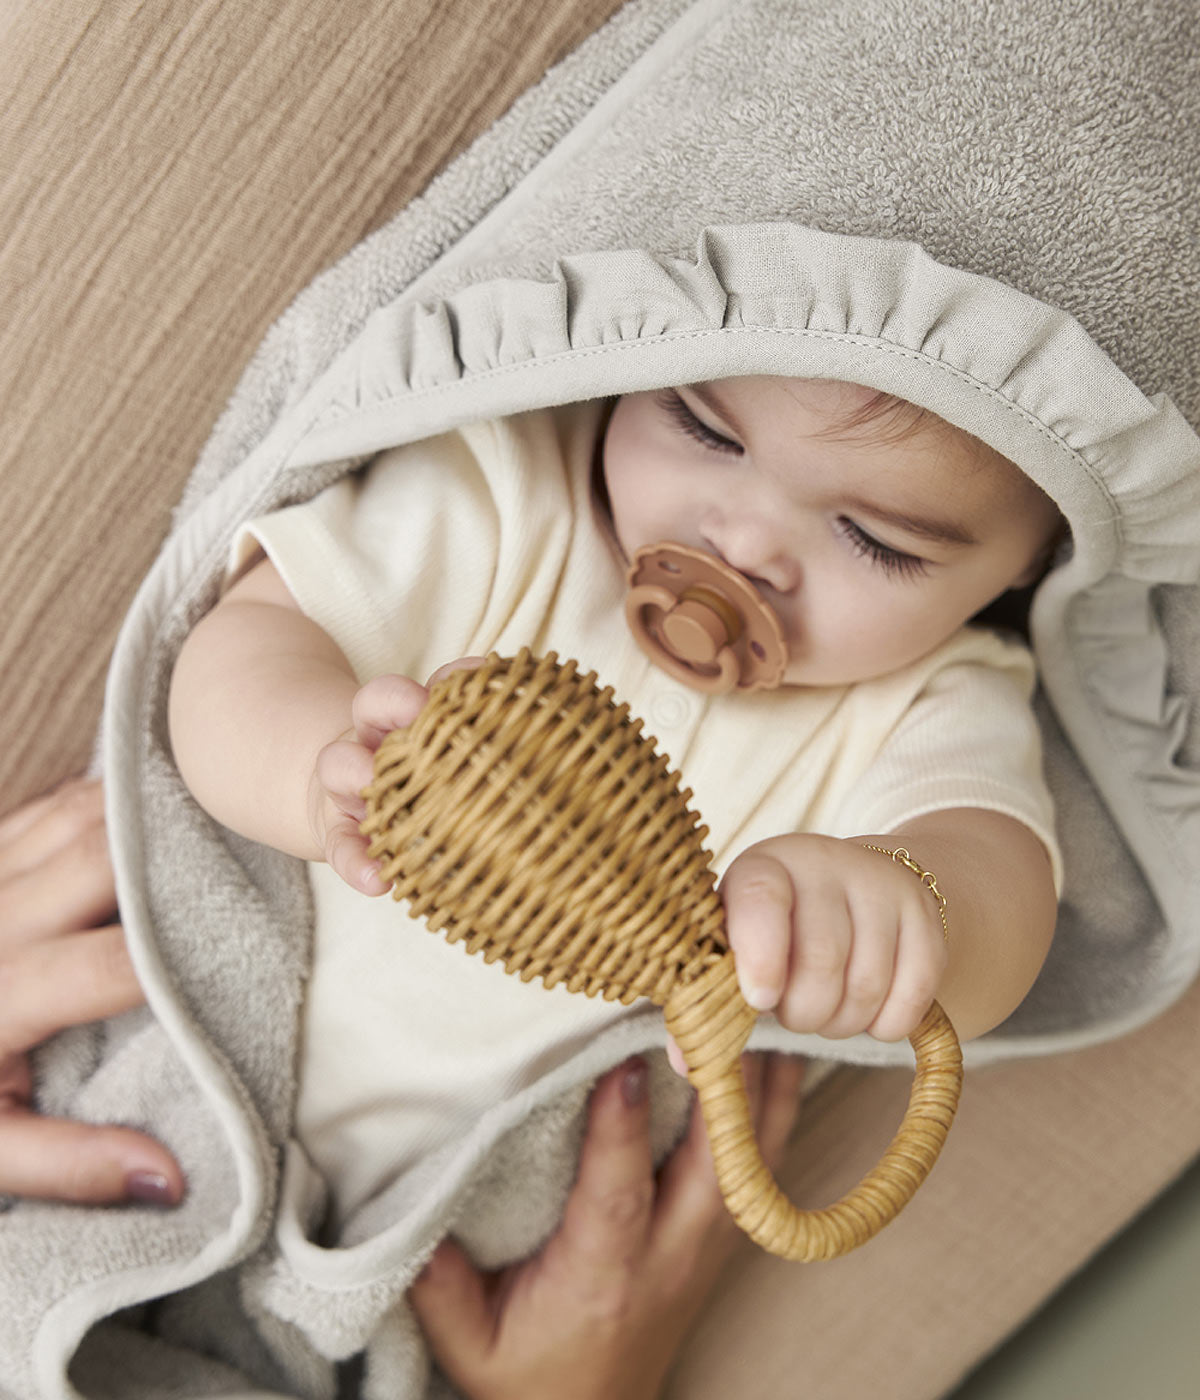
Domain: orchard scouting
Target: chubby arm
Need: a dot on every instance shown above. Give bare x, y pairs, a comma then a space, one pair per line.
271, 730
837, 939
258, 691
1003, 912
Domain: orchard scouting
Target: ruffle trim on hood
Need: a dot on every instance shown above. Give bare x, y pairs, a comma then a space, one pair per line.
1109, 686
774, 298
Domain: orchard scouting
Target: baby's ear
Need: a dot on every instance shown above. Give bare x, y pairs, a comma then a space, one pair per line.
1042, 560
1033, 572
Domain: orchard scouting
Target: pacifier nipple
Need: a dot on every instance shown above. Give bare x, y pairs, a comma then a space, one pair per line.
702, 621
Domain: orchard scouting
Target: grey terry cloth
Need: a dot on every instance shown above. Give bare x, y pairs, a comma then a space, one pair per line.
990, 210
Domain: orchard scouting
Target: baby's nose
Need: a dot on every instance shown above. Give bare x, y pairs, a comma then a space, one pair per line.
756, 548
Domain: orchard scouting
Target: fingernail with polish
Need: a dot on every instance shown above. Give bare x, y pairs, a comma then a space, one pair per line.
151, 1188
633, 1083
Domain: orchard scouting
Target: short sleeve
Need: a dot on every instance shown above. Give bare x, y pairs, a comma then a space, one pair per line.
969, 739
394, 561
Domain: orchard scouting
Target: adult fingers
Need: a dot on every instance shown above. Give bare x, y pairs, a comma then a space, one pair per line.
689, 1203
67, 981
758, 897
451, 1300
690, 1208
778, 1104
43, 826
68, 889
52, 1159
45, 987
15, 823
608, 1213
384, 704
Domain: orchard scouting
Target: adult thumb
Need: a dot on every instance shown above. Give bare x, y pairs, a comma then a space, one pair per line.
450, 1299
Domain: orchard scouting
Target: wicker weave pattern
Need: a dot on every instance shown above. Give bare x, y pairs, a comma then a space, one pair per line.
548, 835
525, 813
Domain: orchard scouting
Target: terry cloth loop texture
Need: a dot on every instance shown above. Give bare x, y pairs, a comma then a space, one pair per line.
775, 298
989, 209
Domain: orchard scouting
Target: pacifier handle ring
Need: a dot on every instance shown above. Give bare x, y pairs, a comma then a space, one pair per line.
699, 597
648, 596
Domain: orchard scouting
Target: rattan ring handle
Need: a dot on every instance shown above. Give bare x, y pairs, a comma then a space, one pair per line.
711, 1023
525, 814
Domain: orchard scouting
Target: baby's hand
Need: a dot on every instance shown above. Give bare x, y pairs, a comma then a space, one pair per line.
345, 767
833, 938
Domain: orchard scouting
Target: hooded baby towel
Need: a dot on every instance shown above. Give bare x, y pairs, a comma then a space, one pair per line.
990, 211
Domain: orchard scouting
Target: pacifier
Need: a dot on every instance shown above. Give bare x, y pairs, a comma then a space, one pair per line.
703, 622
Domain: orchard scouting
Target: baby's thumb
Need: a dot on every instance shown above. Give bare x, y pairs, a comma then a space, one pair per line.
386, 703
758, 897
464, 663
450, 1300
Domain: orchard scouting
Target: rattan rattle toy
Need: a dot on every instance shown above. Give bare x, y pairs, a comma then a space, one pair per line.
525, 814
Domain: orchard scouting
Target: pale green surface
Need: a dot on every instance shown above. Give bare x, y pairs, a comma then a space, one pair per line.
1127, 1328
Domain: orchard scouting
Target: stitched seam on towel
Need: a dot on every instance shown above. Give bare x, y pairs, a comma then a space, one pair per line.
904, 352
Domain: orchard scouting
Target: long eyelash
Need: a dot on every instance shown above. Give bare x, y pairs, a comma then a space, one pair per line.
687, 422
893, 562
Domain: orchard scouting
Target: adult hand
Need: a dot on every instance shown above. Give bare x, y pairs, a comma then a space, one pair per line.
603, 1308
63, 962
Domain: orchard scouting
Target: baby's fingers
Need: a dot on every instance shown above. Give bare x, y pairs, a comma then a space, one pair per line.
464, 663
675, 1057
758, 898
346, 854
920, 963
870, 968
384, 704
820, 952
344, 769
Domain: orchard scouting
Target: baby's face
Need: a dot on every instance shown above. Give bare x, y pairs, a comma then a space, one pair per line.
872, 552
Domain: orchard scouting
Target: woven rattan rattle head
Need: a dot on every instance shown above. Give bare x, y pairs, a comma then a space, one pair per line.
525, 814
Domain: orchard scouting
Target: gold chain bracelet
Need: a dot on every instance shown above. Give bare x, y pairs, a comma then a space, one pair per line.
901, 857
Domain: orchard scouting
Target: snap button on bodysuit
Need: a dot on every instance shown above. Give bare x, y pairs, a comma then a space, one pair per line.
703, 622
670, 709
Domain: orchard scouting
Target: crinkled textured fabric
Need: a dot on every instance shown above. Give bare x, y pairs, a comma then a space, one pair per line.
985, 210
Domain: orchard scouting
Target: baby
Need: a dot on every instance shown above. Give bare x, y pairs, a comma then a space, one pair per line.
873, 528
